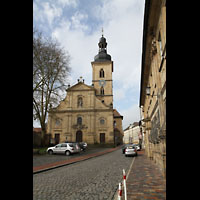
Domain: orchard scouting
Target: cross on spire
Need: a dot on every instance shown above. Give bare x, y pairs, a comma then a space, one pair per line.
102, 31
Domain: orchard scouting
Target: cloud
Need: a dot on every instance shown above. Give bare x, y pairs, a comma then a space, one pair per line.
119, 94
72, 3
81, 47
76, 21
51, 12
130, 115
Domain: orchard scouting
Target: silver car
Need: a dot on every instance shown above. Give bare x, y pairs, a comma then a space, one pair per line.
131, 151
64, 148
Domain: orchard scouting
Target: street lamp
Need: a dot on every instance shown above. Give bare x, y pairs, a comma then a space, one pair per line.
147, 119
148, 91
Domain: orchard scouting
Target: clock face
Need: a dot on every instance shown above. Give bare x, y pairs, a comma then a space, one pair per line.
102, 82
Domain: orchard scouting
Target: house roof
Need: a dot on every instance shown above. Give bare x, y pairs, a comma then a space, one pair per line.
134, 124
37, 130
117, 114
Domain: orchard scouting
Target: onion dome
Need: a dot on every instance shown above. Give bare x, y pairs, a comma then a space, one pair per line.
102, 55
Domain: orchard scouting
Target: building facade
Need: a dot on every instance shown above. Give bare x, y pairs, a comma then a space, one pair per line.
87, 114
132, 134
153, 82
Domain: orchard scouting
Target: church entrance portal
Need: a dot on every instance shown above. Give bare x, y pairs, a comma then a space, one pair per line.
79, 136
102, 138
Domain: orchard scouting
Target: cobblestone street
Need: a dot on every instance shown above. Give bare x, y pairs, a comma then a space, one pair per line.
96, 178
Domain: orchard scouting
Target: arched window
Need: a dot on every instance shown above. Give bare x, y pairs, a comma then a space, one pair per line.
79, 120
101, 73
58, 122
102, 121
80, 102
102, 91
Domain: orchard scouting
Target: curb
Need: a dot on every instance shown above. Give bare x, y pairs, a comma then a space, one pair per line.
62, 163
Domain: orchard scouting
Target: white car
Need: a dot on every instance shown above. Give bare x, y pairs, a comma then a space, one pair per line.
64, 148
131, 151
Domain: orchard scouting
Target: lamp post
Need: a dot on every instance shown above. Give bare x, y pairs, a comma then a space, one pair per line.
148, 90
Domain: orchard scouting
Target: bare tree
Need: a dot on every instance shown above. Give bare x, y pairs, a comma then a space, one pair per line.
50, 72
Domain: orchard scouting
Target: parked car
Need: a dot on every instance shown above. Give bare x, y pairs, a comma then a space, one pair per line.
124, 147
131, 150
83, 145
64, 148
137, 147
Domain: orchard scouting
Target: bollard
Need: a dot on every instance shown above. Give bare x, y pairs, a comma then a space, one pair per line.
124, 177
120, 192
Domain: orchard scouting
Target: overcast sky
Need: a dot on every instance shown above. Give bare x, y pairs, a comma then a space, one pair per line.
77, 25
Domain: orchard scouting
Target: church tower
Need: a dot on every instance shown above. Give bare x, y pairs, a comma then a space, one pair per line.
102, 74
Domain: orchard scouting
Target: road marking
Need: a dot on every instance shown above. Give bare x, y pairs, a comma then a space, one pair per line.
130, 168
115, 196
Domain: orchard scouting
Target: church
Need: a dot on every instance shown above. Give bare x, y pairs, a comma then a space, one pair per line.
86, 114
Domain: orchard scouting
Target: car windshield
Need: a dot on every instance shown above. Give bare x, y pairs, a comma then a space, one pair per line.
125, 145
130, 147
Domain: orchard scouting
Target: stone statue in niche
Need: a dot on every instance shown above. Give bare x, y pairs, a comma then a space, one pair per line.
80, 102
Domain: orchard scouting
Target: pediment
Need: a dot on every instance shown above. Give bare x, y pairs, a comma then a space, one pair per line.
80, 86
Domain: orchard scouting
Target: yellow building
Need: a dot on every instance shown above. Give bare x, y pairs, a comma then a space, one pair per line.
153, 82
87, 114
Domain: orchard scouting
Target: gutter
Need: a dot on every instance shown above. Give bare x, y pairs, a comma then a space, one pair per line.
145, 26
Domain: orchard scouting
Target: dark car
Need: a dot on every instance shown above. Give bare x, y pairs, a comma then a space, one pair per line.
83, 145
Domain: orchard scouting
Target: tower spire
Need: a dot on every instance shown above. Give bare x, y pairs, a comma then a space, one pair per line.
102, 31
102, 55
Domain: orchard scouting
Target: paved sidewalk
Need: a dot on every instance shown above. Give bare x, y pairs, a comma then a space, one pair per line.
61, 163
145, 181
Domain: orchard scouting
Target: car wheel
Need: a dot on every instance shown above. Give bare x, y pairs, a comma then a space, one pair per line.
50, 152
67, 153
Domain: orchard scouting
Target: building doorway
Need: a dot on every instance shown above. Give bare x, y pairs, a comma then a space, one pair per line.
57, 138
102, 138
79, 136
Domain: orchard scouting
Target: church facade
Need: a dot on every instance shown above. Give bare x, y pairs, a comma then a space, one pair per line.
87, 114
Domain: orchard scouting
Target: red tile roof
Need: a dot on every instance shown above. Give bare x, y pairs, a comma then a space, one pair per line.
117, 114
